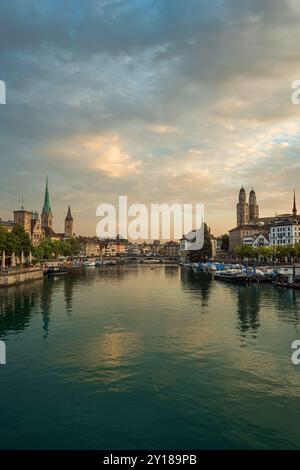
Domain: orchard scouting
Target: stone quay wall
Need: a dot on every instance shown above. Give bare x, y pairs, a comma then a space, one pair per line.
19, 276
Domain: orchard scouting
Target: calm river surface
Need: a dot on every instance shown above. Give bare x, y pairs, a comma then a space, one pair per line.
148, 358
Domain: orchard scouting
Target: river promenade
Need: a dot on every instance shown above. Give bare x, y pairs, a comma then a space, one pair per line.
15, 276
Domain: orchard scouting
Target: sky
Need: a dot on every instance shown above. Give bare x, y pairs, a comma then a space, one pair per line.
165, 101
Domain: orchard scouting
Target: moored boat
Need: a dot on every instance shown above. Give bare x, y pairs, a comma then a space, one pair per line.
234, 277
55, 271
90, 264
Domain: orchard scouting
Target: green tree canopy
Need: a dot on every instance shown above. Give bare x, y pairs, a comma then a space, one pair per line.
48, 248
15, 242
205, 252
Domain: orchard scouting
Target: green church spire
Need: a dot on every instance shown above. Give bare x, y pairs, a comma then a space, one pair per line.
47, 207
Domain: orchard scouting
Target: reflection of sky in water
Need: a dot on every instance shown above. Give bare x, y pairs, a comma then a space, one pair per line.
185, 360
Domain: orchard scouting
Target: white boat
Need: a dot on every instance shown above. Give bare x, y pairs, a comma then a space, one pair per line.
90, 263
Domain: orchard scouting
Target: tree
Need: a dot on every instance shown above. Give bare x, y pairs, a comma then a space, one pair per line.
245, 251
11, 243
44, 250
23, 242
281, 252
75, 246
225, 242
3, 234
297, 250
48, 248
264, 252
206, 250
38, 251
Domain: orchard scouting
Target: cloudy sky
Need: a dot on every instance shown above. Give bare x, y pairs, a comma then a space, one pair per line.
160, 100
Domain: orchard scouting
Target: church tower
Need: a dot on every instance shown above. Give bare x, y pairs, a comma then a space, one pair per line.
294, 206
253, 207
242, 209
69, 224
46, 215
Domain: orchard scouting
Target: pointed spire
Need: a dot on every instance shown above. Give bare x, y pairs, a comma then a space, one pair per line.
294, 207
69, 215
47, 207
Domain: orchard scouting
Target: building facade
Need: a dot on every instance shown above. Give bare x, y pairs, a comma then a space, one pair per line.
238, 234
285, 232
256, 241
23, 219
37, 233
7, 225
170, 248
90, 246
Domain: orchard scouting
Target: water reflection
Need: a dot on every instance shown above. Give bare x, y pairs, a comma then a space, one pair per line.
16, 304
69, 284
287, 304
249, 298
197, 284
128, 347
46, 304
171, 272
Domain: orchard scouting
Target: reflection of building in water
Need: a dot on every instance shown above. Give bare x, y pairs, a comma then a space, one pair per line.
171, 271
248, 309
197, 284
16, 305
88, 276
69, 282
46, 303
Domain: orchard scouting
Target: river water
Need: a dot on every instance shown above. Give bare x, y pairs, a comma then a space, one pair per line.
148, 358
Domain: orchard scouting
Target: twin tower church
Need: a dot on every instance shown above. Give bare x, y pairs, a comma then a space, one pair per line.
247, 212
40, 227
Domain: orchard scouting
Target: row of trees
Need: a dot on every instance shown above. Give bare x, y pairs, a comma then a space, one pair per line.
48, 248
15, 241
269, 253
18, 240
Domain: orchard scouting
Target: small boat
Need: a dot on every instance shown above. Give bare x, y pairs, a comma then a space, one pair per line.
90, 264
233, 276
55, 271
